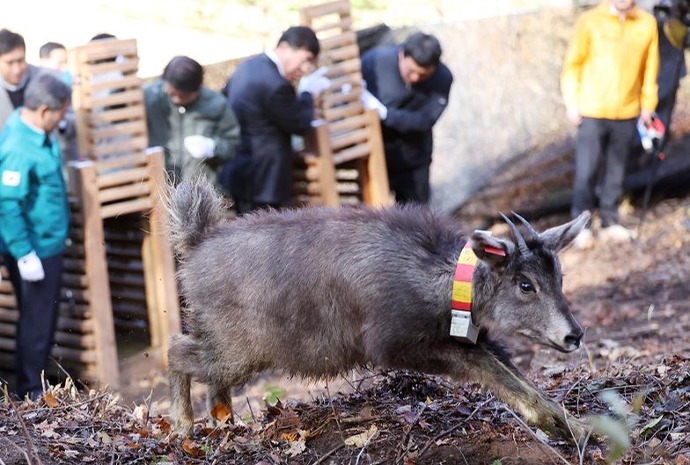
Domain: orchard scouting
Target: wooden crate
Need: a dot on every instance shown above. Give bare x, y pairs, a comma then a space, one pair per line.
118, 273
349, 137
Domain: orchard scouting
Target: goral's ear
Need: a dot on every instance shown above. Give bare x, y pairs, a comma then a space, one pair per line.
493, 251
559, 237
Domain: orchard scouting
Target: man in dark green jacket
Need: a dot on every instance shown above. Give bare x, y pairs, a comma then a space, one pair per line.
34, 222
194, 124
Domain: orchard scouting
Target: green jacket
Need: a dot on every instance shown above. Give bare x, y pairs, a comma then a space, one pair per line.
209, 116
34, 213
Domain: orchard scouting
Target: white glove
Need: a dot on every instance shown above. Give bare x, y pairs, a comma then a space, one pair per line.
30, 267
314, 83
199, 146
370, 102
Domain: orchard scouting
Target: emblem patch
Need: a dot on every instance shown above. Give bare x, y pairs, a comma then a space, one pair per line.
11, 178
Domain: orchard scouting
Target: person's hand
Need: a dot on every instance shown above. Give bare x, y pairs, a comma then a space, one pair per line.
574, 116
30, 267
372, 103
314, 83
646, 117
199, 146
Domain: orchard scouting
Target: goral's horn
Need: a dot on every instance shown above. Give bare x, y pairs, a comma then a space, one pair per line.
522, 245
532, 232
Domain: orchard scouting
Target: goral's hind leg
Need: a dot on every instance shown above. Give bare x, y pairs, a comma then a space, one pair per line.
183, 363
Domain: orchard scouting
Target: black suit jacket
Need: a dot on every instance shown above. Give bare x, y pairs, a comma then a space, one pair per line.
269, 112
412, 111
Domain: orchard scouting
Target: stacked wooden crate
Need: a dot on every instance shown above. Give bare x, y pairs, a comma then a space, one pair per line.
119, 268
343, 161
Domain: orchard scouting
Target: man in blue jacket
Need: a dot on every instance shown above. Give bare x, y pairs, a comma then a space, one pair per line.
34, 222
262, 94
409, 86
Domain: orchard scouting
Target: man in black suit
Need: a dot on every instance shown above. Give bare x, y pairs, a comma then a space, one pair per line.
409, 86
262, 95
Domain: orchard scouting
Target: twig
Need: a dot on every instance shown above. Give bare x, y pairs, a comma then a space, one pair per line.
534, 435
26, 456
448, 431
27, 436
329, 453
251, 410
407, 435
359, 456
335, 415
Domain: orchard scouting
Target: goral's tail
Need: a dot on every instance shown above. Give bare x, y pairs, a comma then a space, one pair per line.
195, 210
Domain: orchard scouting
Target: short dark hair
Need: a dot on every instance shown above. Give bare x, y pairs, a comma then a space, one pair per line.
184, 74
102, 36
10, 41
424, 49
46, 89
301, 37
47, 48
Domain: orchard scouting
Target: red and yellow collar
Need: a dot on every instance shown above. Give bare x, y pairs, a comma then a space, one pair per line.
461, 325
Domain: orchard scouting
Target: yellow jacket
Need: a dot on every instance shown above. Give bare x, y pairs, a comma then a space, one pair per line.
611, 66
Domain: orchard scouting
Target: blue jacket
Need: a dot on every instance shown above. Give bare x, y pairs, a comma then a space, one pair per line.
34, 213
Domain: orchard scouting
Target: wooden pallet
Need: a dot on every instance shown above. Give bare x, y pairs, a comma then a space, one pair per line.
349, 137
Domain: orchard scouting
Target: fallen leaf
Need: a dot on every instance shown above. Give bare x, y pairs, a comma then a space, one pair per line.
358, 440
192, 448
50, 400
221, 412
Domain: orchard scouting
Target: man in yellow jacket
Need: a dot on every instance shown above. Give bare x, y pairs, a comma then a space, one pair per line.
609, 80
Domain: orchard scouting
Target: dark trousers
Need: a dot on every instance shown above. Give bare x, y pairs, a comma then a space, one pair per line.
411, 185
38, 304
601, 153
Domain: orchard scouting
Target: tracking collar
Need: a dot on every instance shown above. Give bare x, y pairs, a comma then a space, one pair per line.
461, 325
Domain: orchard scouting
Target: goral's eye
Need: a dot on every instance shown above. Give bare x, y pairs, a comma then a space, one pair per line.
526, 287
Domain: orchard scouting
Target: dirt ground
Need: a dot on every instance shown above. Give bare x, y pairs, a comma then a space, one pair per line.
632, 298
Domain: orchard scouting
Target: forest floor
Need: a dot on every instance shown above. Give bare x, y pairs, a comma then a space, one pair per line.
634, 369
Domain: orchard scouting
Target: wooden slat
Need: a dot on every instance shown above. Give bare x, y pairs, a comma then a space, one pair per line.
374, 174
126, 82
343, 24
72, 324
346, 111
343, 40
348, 124
105, 357
120, 145
128, 97
348, 67
348, 138
106, 48
108, 117
346, 52
112, 68
128, 191
128, 161
352, 153
124, 176
81, 356
78, 341
123, 208
128, 128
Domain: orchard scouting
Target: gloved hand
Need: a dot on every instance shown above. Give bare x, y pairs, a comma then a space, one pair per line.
314, 83
370, 102
30, 267
199, 146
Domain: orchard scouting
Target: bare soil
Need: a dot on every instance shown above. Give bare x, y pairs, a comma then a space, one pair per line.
633, 299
